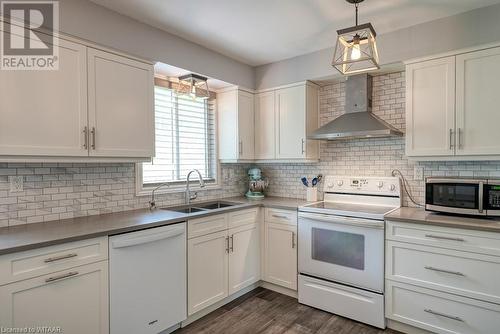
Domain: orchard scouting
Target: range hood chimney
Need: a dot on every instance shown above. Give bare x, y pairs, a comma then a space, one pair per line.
358, 120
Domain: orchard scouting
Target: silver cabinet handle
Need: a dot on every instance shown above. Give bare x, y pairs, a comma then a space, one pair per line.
460, 145
451, 139
293, 239
56, 278
443, 238
58, 258
86, 138
232, 243
480, 199
303, 148
241, 147
92, 132
227, 244
280, 216
444, 271
444, 315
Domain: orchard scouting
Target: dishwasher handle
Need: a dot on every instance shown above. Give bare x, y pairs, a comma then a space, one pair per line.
128, 242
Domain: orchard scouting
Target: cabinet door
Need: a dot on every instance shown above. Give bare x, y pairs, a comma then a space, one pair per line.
45, 112
265, 147
291, 123
478, 101
121, 110
207, 270
244, 257
430, 108
281, 255
246, 125
76, 300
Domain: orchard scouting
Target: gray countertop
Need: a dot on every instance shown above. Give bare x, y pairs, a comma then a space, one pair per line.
23, 237
420, 216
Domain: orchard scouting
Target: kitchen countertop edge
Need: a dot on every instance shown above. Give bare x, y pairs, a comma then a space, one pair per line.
24, 237
423, 217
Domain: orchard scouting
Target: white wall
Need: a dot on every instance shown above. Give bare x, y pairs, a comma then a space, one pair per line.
84, 19
475, 27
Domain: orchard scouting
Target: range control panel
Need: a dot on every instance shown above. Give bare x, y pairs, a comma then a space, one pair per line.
365, 185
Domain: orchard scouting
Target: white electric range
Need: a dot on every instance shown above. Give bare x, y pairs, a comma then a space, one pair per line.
341, 247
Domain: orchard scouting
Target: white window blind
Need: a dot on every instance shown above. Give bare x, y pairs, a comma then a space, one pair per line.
185, 138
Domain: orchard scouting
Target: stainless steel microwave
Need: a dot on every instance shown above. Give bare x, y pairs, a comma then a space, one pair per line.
478, 197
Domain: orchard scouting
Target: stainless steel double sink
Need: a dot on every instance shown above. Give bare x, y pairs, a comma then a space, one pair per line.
201, 207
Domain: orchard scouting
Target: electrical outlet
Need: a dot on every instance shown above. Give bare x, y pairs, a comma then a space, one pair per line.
418, 173
16, 184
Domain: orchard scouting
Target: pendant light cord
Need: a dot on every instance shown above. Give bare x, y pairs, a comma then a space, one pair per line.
397, 172
356, 5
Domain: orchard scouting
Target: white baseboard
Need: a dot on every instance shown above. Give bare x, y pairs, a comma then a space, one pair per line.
279, 289
404, 328
211, 308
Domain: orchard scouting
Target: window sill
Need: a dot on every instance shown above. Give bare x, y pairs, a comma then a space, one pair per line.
176, 189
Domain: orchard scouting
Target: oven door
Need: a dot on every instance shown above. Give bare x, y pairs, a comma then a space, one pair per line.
460, 196
342, 249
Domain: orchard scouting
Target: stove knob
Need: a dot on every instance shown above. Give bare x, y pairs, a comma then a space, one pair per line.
330, 185
340, 183
380, 184
393, 187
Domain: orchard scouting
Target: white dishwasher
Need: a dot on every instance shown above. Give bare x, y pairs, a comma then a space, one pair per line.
147, 280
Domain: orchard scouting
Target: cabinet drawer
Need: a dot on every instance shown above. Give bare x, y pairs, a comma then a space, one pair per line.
41, 261
467, 274
445, 237
280, 216
206, 225
440, 312
243, 217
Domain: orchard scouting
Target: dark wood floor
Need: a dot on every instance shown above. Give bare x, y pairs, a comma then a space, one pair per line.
266, 311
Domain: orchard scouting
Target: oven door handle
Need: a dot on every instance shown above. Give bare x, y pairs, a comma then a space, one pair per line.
375, 224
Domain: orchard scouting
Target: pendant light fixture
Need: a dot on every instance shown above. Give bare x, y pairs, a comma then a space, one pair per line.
193, 85
356, 48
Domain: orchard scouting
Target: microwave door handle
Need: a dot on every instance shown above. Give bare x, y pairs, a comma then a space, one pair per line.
481, 197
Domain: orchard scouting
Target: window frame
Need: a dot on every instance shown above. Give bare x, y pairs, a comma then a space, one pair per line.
180, 186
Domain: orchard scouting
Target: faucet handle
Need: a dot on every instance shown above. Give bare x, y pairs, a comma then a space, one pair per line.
193, 196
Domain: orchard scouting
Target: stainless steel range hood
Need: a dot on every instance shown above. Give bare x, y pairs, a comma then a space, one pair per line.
358, 120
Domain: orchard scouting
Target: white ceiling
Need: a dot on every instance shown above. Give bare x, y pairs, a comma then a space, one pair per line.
263, 31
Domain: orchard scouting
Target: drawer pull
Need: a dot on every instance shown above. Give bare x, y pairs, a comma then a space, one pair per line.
56, 278
443, 238
293, 239
227, 244
280, 216
444, 315
445, 271
232, 243
58, 258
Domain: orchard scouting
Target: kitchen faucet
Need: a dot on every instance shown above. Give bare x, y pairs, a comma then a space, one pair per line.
152, 202
190, 197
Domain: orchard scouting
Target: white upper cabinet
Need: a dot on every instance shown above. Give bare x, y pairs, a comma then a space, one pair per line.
296, 116
44, 113
121, 116
430, 107
477, 103
235, 110
265, 141
452, 106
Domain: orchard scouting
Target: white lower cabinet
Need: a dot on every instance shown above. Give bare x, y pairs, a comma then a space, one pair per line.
76, 300
280, 253
207, 270
444, 280
222, 261
244, 257
440, 312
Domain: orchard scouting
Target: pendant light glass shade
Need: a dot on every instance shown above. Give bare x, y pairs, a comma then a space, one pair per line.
356, 48
193, 85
